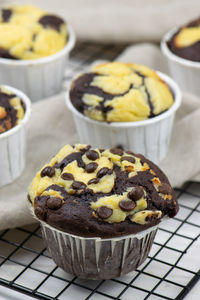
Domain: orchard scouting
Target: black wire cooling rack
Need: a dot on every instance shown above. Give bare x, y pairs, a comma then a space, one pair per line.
169, 272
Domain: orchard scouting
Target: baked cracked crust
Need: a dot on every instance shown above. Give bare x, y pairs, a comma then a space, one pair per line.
27, 32
186, 41
119, 92
105, 193
11, 110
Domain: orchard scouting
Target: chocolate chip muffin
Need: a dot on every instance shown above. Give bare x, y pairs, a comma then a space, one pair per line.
104, 193
11, 110
186, 41
119, 92
27, 32
99, 209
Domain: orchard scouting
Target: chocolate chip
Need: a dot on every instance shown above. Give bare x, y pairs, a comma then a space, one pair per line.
67, 176
54, 203
78, 185
40, 213
94, 181
91, 167
92, 154
136, 193
48, 171
104, 212
85, 148
127, 205
130, 152
101, 150
128, 158
6, 14
165, 189
51, 21
104, 171
117, 151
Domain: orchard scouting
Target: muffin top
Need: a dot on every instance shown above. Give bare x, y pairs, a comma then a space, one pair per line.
186, 41
103, 193
11, 110
27, 32
119, 92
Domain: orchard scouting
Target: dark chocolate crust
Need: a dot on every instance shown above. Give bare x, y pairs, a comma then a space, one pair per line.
51, 21
75, 214
191, 52
6, 14
6, 54
82, 85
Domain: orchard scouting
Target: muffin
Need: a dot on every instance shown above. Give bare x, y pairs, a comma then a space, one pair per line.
27, 32
100, 209
14, 114
34, 47
181, 47
11, 109
124, 104
119, 92
186, 41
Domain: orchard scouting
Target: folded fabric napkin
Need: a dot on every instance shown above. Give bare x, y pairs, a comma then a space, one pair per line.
51, 126
120, 21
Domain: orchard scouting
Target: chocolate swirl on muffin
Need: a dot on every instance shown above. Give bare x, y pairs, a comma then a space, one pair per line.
27, 32
119, 92
186, 41
105, 193
11, 110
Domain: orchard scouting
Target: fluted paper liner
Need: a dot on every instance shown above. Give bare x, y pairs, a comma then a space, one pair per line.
96, 258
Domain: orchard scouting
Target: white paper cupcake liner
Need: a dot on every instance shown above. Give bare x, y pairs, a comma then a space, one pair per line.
150, 137
13, 145
96, 258
38, 78
185, 72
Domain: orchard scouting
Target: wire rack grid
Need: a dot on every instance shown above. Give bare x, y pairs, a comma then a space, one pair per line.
169, 272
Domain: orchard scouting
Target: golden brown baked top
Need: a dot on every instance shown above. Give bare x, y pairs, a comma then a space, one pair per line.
11, 109
95, 187
119, 92
28, 32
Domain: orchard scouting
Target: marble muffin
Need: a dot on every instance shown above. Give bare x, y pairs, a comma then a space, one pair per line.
11, 110
101, 193
28, 32
120, 92
185, 42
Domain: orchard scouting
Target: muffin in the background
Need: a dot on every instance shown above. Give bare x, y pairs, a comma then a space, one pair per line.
14, 114
27, 32
181, 46
125, 104
99, 209
34, 45
11, 109
186, 41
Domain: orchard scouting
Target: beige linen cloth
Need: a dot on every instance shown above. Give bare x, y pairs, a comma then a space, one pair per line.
120, 20
51, 126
